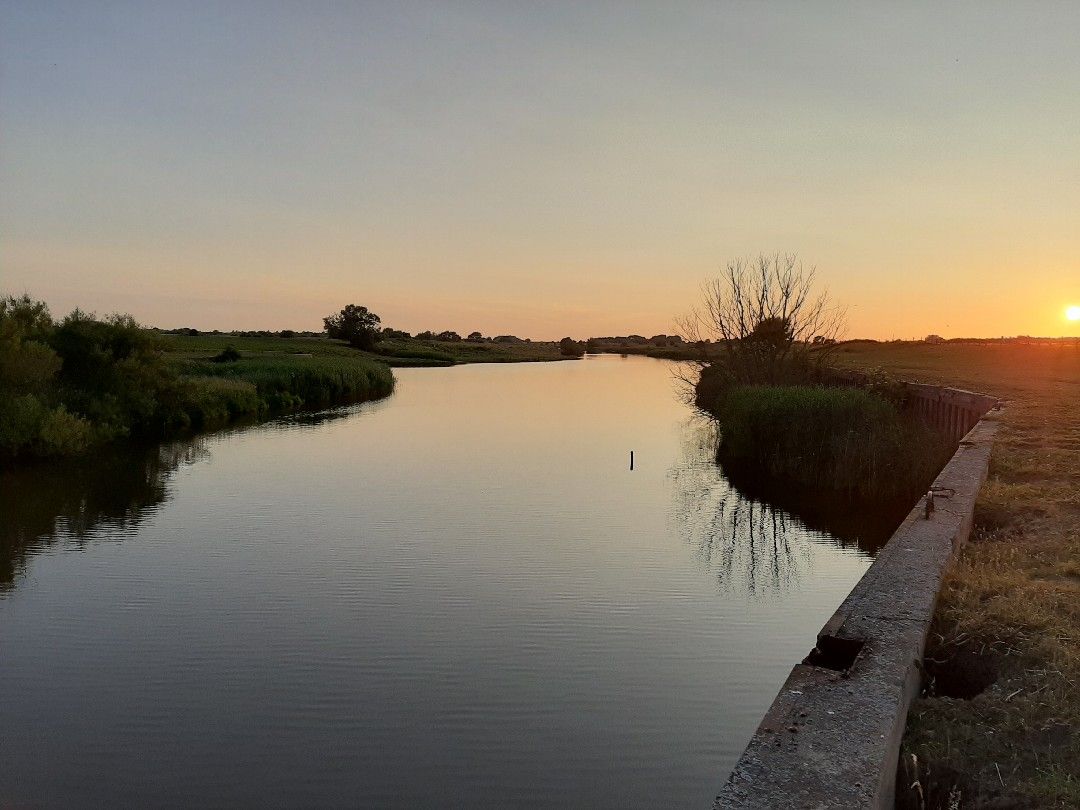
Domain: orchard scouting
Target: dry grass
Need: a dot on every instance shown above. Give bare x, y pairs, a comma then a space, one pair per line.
1010, 606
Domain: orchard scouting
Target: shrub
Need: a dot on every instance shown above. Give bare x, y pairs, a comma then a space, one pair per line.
63, 434
355, 324
568, 347
113, 372
227, 355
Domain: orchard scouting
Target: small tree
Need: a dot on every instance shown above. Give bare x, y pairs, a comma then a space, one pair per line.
354, 324
770, 324
568, 347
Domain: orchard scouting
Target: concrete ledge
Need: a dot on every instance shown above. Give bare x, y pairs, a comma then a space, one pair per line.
831, 739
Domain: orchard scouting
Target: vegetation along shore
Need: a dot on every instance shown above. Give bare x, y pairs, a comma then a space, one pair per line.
69, 385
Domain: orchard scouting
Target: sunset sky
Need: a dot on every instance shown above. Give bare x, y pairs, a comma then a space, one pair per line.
540, 169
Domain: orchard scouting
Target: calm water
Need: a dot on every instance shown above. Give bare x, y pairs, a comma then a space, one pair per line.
457, 597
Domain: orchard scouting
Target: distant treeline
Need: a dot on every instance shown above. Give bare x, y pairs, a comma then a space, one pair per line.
450, 336
386, 333
67, 386
1027, 340
659, 341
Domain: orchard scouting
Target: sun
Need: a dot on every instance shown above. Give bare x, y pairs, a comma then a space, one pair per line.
1072, 313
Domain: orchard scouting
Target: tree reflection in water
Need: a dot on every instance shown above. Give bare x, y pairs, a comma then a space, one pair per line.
100, 496
756, 536
79, 500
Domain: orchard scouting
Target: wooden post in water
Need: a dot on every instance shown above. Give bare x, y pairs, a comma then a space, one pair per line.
631, 460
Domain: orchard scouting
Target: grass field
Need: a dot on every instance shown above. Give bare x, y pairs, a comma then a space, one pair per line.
396, 353
1008, 621
401, 352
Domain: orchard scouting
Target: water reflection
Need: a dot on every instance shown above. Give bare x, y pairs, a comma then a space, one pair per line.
863, 524
107, 493
748, 545
753, 534
460, 596
78, 499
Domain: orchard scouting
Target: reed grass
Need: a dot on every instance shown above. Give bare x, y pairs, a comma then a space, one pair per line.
288, 382
841, 439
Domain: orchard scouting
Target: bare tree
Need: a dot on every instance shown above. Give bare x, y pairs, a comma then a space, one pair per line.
767, 320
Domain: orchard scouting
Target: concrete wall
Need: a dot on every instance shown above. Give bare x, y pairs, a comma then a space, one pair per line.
831, 738
950, 410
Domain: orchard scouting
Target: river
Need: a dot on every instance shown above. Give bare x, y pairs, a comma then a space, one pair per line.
460, 596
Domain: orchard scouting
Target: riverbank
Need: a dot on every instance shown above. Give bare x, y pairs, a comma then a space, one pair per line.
76, 384
72, 386
1001, 717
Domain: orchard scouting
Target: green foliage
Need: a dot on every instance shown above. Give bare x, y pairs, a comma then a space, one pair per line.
60, 433
113, 372
775, 332
24, 317
840, 438
69, 386
356, 325
32, 422
289, 382
209, 402
27, 364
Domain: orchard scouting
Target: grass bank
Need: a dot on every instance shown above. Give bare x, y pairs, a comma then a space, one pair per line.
840, 439
999, 724
69, 386
214, 394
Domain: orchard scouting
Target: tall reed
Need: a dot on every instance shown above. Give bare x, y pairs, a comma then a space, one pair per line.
844, 439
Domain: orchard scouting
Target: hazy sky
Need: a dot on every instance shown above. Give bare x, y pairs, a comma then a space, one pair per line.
540, 168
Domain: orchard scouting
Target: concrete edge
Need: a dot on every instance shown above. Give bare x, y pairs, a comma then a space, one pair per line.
832, 736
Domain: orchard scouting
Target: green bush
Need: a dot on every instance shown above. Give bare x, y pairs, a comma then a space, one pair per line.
113, 372
66, 387
63, 434
28, 426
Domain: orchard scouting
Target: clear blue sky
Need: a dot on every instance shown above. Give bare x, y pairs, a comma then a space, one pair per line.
545, 169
